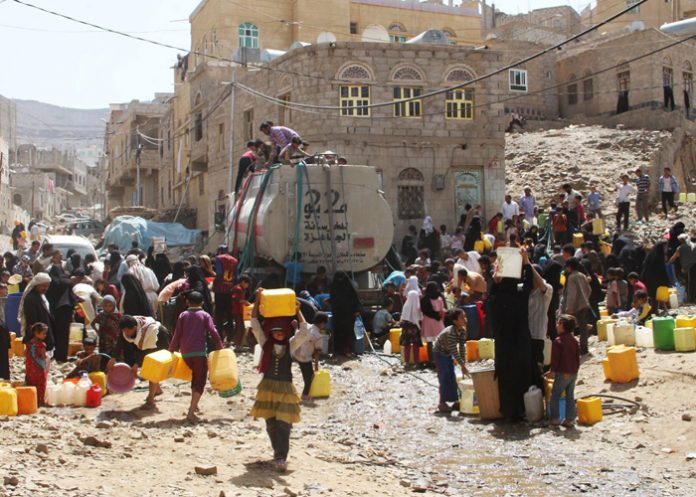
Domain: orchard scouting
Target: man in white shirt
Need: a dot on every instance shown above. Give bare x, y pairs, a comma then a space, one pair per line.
538, 318
469, 260
510, 209
623, 202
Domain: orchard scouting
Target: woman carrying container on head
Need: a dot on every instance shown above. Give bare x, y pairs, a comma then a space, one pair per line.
450, 345
277, 400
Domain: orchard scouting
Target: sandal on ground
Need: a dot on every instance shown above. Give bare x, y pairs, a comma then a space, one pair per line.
444, 408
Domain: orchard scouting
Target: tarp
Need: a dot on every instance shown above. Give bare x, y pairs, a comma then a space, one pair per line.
124, 230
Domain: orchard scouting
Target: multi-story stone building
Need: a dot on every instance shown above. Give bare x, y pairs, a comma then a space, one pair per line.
133, 153
651, 14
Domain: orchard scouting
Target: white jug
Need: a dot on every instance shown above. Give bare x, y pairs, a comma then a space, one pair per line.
624, 334
644, 337
387, 347
534, 404
673, 300
67, 394
257, 354
53, 394
81, 390
547, 351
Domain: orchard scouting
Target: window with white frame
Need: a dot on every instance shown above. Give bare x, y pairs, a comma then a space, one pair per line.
518, 80
248, 35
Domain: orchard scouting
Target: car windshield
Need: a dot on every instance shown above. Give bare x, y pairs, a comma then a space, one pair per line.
83, 250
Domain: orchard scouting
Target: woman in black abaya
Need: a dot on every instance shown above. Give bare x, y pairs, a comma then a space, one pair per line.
134, 300
513, 343
345, 307
654, 272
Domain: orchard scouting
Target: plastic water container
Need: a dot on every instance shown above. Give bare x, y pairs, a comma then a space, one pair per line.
67, 393
624, 333
325, 341
394, 338
673, 299
610, 334
547, 351
387, 347
534, 404
685, 322
423, 354
486, 348
94, 396
8, 402
509, 263
27, 401
479, 246
76, 332
321, 385
11, 312
222, 368
181, 370
663, 333
579, 239
158, 366
99, 378
602, 328
473, 321
53, 394
606, 368
623, 364
603, 313
644, 337
472, 351
662, 294
684, 339
589, 410
691, 197
81, 390
247, 312
278, 303
682, 197
18, 348
468, 403
258, 351
598, 226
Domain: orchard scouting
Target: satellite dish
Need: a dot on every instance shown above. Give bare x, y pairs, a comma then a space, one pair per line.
326, 37
375, 33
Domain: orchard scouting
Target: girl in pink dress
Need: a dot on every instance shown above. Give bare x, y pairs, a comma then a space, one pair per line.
433, 307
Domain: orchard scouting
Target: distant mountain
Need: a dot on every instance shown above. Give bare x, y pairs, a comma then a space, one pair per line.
47, 125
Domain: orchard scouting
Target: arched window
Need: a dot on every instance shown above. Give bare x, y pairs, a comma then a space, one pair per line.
397, 33
205, 46
667, 72
398, 27
410, 194
248, 35
459, 103
623, 77
688, 77
407, 73
213, 39
354, 97
198, 120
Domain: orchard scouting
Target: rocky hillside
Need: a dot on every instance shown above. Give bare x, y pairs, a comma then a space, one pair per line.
48, 125
584, 156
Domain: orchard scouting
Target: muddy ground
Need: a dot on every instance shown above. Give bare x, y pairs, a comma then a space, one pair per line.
376, 435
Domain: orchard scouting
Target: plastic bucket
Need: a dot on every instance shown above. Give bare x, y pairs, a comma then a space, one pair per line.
121, 378
11, 312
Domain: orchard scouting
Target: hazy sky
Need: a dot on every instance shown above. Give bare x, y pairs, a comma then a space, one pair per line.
58, 61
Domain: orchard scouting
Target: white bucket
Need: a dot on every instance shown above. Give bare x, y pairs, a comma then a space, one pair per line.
509, 263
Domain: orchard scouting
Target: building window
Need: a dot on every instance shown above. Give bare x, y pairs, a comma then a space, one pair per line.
588, 90
572, 94
221, 137
667, 76
397, 26
407, 74
687, 76
284, 112
459, 104
353, 98
412, 108
213, 39
631, 3
353, 28
205, 46
248, 119
397, 39
201, 185
518, 80
198, 128
248, 35
624, 80
355, 72
410, 194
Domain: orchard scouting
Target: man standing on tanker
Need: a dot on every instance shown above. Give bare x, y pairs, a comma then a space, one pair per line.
280, 136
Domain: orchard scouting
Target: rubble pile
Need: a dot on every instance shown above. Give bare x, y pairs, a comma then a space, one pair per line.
589, 155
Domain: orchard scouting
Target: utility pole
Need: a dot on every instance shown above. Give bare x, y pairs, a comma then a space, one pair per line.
138, 153
233, 91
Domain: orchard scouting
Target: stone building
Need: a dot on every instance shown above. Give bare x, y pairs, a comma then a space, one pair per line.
651, 14
562, 20
434, 155
133, 152
628, 86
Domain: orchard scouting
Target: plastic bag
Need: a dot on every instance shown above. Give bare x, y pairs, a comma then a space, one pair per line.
359, 328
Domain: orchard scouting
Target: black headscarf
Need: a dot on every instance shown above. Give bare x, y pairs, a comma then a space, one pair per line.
473, 233
135, 301
674, 233
197, 283
161, 267
344, 297
150, 259
114, 263
179, 270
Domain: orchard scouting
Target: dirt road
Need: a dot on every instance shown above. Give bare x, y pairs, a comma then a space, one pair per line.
377, 435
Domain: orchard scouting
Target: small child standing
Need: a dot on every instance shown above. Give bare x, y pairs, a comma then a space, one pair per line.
37, 361
613, 292
307, 354
276, 400
239, 302
106, 324
193, 328
450, 345
565, 363
411, 317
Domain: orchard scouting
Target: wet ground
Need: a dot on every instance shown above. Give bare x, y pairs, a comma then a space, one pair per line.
376, 435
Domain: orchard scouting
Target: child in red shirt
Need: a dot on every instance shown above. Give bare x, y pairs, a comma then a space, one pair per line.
565, 363
239, 302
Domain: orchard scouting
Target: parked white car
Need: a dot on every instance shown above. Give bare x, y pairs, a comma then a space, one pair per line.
79, 244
